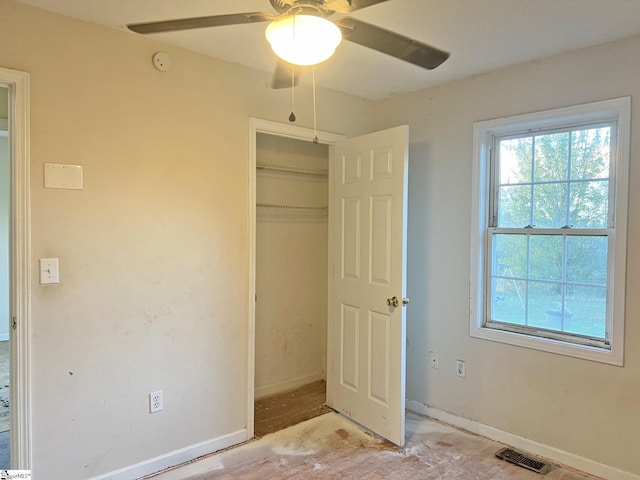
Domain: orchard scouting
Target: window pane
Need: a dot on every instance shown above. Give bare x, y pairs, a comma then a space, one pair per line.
544, 300
551, 161
589, 204
550, 205
587, 259
515, 160
507, 301
514, 206
585, 310
590, 153
545, 257
510, 256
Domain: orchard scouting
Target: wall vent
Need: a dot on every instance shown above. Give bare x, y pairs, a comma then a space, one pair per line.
524, 461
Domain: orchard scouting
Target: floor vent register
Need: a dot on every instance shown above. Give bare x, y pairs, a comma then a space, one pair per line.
524, 461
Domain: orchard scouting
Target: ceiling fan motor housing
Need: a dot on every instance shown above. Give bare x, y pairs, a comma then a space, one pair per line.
307, 7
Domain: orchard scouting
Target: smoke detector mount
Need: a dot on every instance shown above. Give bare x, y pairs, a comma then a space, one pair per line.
162, 61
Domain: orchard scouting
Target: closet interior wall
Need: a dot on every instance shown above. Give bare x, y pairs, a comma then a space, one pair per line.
291, 263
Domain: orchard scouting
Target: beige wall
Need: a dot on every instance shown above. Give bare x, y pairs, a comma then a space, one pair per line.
291, 267
578, 406
153, 251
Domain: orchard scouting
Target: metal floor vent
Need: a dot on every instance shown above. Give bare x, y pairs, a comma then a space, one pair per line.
524, 461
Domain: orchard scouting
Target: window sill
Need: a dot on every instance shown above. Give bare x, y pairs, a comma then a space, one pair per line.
595, 354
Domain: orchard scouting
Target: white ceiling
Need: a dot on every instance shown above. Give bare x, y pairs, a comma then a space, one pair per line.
482, 35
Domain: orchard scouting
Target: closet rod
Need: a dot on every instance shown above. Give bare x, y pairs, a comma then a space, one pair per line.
292, 169
306, 208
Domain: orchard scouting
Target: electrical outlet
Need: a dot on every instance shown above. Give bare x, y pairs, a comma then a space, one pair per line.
434, 360
461, 368
155, 401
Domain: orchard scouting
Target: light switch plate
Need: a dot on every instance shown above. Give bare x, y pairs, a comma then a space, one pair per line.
49, 272
62, 175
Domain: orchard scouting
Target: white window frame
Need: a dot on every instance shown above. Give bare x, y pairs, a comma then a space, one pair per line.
484, 133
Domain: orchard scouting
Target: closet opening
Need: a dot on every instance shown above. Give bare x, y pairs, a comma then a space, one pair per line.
291, 235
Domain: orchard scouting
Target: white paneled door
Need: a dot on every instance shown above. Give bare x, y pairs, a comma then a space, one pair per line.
367, 280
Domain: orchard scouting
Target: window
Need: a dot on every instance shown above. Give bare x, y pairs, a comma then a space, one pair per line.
549, 230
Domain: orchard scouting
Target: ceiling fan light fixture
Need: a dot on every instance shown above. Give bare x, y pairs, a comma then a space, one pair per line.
303, 39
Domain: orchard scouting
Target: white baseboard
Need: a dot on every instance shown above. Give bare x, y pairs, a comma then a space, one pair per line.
285, 385
176, 457
521, 443
4, 337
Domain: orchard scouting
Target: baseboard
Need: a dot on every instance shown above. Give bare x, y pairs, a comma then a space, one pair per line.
176, 457
4, 337
530, 446
285, 385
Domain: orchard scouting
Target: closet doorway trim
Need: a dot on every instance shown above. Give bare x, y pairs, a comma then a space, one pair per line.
256, 126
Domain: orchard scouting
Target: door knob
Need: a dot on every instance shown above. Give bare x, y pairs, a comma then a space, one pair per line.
394, 302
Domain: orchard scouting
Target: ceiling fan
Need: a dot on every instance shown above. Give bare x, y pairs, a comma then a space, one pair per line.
294, 14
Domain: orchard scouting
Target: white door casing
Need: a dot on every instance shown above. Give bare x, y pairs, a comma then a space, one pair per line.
367, 266
20, 268
257, 125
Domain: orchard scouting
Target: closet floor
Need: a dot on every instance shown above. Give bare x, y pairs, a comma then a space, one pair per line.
283, 410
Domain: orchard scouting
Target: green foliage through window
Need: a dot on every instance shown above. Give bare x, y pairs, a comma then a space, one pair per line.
554, 179
547, 271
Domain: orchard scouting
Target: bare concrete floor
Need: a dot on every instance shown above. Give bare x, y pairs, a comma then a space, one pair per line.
332, 447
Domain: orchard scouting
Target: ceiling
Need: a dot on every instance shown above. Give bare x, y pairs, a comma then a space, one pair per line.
480, 35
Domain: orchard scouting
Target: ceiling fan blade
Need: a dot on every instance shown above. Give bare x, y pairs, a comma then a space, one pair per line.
282, 75
201, 22
348, 6
391, 43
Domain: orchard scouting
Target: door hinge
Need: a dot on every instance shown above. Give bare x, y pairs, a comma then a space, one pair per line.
14, 323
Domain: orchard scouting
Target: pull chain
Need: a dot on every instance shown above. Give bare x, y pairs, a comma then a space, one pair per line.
315, 122
292, 117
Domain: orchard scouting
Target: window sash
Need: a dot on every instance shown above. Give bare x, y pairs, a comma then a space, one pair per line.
535, 331
494, 170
